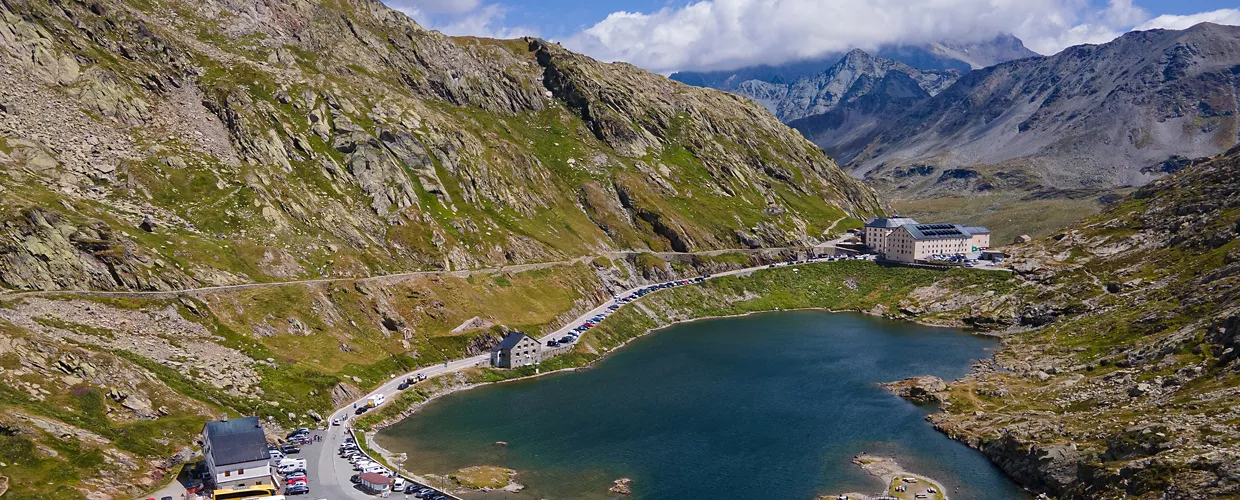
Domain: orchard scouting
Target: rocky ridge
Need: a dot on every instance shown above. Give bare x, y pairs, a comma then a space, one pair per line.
1118, 376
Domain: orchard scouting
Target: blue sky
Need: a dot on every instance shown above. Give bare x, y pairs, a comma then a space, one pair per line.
666, 36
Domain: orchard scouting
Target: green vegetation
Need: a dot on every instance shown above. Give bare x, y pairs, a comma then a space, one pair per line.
836, 286
482, 476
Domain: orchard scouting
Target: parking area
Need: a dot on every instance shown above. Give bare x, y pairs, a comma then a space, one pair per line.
340, 471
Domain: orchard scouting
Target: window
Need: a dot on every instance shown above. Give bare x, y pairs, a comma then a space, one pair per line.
240, 471
227, 473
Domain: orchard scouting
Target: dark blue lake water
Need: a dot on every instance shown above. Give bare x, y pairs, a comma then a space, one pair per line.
773, 405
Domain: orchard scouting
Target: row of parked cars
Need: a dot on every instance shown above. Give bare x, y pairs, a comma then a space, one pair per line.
962, 259
364, 465
596, 319
293, 470
361, 463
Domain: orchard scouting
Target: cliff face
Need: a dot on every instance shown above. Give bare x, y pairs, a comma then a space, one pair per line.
160, 145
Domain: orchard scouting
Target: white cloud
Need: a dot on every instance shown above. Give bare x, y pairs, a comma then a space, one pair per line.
462, 17
488, 22
434, 6
1173, 22
725, 34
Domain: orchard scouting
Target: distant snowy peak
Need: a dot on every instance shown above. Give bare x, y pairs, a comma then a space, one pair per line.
961, 56
856, 75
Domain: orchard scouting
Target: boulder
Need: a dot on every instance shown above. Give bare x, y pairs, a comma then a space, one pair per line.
924, 389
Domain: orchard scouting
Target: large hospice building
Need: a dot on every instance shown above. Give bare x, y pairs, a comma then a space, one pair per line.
906, 240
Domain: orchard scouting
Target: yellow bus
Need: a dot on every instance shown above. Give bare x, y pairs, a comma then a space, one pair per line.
246, 492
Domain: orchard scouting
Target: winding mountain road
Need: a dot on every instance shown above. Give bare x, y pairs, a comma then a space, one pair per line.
463, 273
333, 473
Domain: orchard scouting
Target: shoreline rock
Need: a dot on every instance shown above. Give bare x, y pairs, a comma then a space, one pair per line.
923, 389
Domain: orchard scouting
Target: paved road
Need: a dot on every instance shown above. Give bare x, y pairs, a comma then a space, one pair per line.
10, 294
333, 474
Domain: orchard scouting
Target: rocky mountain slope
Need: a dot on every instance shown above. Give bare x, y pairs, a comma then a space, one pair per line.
1033, 145
167, 144
1092, 116
1118, 377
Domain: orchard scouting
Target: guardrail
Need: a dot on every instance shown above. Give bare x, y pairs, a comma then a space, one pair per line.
353, 434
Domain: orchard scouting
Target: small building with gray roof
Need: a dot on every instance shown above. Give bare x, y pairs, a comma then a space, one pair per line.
236, 453
516, 350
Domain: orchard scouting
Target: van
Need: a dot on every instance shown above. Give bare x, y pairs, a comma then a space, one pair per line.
292, 461
289, 469
376, 400
277, 455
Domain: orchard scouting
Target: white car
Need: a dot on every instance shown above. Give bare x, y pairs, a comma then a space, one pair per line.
398, 484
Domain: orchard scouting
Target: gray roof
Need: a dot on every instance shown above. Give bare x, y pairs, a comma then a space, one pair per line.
975, 230
889, 222
237, 441
941, 231
511, 340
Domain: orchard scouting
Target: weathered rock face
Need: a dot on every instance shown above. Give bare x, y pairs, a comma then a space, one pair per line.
42, 250
342, 139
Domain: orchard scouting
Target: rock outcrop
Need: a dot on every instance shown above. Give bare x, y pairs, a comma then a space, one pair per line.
924, 389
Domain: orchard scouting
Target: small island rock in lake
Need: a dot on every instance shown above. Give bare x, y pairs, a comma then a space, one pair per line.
621, 486
923, 389
487, 478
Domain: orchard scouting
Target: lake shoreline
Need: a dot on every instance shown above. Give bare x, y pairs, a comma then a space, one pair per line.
381, 425
373, 434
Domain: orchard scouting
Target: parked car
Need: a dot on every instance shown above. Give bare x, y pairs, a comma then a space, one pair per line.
289, 449
355, 479
411, 488
398, 484
297, 489
403, 385
552, 343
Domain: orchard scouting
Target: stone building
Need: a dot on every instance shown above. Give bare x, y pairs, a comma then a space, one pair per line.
516, 350
236, 453
877, 231
905, 240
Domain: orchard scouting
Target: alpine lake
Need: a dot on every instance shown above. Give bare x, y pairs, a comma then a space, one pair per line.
770, 406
